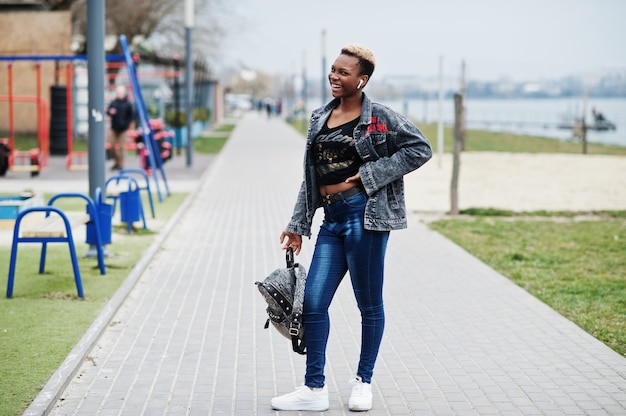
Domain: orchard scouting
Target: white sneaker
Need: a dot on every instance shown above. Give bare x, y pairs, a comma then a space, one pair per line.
303, 399
361, 397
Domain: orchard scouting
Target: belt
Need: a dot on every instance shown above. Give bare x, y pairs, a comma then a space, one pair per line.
333, 198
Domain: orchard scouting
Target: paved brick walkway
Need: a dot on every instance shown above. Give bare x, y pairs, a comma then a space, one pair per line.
184, 335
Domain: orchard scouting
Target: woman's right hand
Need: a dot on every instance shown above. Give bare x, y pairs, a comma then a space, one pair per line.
288, 239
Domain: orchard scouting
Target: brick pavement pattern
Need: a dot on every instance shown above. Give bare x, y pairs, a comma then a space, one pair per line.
461, 339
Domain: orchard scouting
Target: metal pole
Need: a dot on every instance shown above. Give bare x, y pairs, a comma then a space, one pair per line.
463, 95
304, 92
95, 67
189, 75
324, 77
95, 76
440, 115
177, 105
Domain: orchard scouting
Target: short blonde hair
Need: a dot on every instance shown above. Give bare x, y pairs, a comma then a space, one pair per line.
364, 54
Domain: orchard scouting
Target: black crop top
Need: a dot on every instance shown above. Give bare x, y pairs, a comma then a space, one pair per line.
336, 158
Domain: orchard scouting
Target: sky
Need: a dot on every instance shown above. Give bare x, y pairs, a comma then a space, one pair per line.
520, 40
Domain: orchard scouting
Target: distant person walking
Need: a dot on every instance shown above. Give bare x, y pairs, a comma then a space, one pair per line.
357, 153
122, 118
269, 108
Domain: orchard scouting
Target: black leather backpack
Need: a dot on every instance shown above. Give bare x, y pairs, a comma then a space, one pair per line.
283, 290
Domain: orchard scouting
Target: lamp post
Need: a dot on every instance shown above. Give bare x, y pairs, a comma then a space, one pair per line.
304, 92
179, 137
95, 67
189, 76
440, 114
96, 104
324, 80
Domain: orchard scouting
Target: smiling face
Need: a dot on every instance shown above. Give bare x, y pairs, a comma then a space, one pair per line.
344, 76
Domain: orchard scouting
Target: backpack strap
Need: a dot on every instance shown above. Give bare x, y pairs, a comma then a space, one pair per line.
295, 320
295, 315
294, 330
289, 258
284, 303
298, 345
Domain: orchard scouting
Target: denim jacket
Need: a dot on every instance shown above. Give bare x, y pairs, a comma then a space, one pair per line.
390, 147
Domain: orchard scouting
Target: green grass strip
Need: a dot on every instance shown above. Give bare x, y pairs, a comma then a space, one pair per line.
45, 319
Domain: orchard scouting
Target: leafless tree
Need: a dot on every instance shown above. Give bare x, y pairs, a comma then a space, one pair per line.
160, 22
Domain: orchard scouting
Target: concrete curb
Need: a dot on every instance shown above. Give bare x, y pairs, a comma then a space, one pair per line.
51, 392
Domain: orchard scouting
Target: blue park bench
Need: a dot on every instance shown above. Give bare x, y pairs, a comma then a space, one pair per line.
56, 227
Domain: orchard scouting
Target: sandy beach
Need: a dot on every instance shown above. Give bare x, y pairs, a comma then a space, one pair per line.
521, 182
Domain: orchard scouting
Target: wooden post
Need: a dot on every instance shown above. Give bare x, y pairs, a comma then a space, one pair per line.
456, 157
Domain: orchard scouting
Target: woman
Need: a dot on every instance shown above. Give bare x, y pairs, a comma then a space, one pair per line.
357, 153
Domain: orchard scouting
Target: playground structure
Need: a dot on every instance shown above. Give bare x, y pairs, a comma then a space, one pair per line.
163, 138
152, 141
34, 159
48, 116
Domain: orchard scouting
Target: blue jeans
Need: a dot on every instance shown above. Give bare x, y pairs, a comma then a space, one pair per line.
343, 244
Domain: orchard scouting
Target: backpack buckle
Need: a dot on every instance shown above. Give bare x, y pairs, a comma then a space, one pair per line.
295, 325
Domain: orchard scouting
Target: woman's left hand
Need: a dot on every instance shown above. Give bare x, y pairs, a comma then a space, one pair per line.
355, 178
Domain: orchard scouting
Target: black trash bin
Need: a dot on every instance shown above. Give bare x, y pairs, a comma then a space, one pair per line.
58, 120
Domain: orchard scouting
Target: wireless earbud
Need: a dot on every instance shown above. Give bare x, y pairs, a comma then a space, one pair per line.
360, 84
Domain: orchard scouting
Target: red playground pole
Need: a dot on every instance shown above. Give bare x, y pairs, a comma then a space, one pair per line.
11, 126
